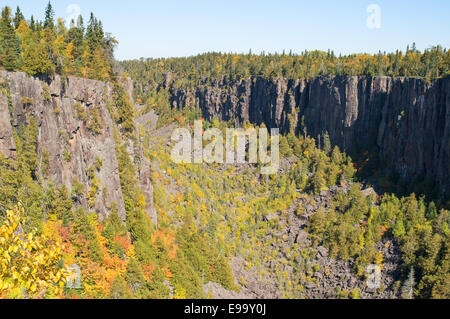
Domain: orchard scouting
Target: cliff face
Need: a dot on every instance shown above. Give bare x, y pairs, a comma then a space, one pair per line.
405, 121
71, 147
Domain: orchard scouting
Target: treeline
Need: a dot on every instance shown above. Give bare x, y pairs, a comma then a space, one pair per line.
189, 71
48, 47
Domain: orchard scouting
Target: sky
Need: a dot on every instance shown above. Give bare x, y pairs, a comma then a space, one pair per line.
174, 28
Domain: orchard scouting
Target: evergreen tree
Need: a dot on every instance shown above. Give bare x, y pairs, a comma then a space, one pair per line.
326, 143
94, 33
408, 286
18, 17
49, 22
431, 211
285, 149
76, 37
9, 45
125, 109
119, 289
318, 182
32, 24
134, 277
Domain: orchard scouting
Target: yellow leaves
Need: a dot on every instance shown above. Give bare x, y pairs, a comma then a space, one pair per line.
6, 256
60, 44
379, 259
69, 50
4, 285
33, 288
362, 241
141, 201
180, 292
4, 266
27, 261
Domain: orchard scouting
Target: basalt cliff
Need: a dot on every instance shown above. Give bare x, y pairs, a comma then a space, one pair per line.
404, 122
67, 141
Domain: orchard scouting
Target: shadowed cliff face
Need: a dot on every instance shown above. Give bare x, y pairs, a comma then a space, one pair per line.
72, 148
404, 121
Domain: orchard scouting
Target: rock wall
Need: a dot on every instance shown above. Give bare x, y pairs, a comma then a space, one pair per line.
405, 121
72, 148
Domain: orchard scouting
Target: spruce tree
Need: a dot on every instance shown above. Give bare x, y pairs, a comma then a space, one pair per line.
49, 17
134, 276
94, 33
119, 289
32, 24
326, 143
431, 211
76, 36
18, 17
408, 286
9, 45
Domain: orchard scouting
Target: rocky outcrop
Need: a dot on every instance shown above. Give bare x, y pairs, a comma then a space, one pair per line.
7, 143
404, 121
70, 145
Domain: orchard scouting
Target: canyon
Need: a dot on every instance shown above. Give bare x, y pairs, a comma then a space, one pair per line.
403, 122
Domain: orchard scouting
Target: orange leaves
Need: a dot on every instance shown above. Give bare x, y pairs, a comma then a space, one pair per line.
98, 278
167, 238
148, 271
173, 252
179, 119
64, 232
167, 273
123, 241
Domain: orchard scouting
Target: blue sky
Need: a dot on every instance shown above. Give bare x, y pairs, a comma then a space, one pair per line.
169, 28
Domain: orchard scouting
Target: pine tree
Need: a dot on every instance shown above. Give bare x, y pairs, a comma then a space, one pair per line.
318, 182
431, 211
76, 37
408, 286
94, 33
32, 24
49, 22
326, 143
119, 289
27, 148
125, 109
285, 149
135, 277
18, 17
9, 44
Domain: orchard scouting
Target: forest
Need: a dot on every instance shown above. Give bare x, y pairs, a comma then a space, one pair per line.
190, 71
48, 47
208, 216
